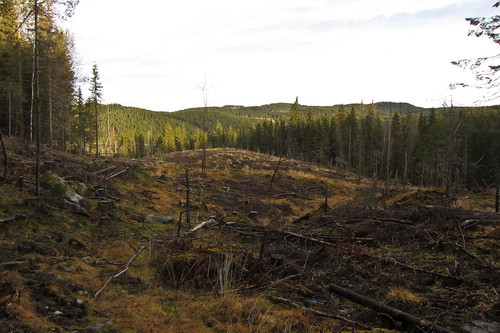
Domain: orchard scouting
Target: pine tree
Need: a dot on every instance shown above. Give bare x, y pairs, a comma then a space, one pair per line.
95, 96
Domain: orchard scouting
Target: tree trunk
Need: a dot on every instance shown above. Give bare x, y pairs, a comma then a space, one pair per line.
32, 106
51, 143
10, 110
4, 158
96, 130
20, 114
188, 215
38, 108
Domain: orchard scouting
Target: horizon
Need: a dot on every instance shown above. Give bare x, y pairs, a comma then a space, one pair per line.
304, 105
258, 53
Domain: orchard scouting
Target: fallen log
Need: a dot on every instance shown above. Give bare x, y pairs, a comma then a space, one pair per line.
117, 174
127, 264
14, 217
201, 225
100, 172
386, 309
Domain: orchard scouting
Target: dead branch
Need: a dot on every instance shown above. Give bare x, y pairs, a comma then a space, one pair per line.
383, 308
275, 299
14, 263
127, 264
117, 174
284, 194
417, 269
100, 172
14, 217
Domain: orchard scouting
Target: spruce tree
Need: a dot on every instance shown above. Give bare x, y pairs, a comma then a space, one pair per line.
95, 96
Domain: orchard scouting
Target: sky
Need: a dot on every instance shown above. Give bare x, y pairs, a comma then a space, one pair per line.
158, 54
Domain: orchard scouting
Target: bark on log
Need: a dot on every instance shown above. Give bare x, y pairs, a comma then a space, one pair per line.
383, 308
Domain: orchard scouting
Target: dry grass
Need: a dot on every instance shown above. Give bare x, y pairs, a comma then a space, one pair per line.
398, 294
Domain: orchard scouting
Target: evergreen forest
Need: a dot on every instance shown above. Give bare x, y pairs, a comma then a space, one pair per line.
445, 146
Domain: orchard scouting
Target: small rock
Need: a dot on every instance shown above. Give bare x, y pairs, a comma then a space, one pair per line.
79, 302
252, 213
69, 268
71, 285
104, 221
88, 260
75, 208
51, 277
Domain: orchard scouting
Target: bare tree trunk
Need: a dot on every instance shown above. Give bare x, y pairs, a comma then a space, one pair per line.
4, 158
96, 130
497, 195
281, 159
20, 114
388, 166
349, 148
51, 142
32, 107
38, 108
405, 174
188, 207
204, 141
10, 110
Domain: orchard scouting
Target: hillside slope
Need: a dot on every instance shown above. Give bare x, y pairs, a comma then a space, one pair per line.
264, 263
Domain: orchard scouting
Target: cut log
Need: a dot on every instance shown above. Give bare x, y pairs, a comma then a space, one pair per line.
383, 308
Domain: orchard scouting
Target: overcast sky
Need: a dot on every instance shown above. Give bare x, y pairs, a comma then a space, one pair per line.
156, 54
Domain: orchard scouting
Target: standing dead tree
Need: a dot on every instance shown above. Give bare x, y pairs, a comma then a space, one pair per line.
5, 162
281, 159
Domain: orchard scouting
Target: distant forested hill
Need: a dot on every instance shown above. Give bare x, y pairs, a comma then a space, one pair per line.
383, 140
